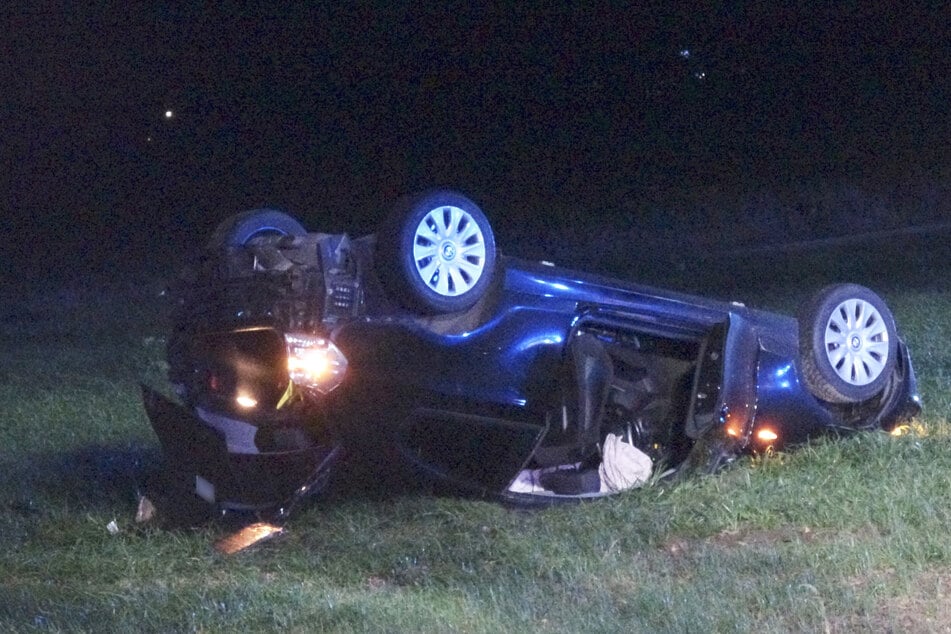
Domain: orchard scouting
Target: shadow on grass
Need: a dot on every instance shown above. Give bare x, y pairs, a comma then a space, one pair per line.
90, 478
112, 479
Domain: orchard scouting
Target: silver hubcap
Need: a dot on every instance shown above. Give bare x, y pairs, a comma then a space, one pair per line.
856, 341
449, 251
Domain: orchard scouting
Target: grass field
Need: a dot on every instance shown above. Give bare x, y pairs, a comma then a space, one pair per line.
841, 535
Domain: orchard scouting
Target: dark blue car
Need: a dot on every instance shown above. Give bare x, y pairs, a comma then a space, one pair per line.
513, 379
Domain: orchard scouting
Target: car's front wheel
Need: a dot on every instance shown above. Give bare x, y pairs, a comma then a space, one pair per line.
848, 343
240, 229
437, 252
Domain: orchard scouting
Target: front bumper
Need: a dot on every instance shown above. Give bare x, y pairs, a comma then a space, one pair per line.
231, 472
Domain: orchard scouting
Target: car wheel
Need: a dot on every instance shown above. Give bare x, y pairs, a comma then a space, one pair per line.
437, 252
848, 343
241, 228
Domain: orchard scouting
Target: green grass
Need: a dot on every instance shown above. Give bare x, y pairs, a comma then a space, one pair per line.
841, 535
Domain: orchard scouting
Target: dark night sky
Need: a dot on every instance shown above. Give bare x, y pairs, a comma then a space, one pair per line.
330, 113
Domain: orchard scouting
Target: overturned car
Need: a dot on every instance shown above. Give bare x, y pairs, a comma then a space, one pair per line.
513, 379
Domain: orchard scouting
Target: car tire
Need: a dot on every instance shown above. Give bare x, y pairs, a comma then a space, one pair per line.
848, 344
436, 252
240, 229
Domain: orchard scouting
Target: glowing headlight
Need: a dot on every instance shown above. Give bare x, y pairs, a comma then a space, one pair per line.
314, 362
246, 401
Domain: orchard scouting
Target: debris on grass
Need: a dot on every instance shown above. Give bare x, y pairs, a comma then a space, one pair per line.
145, 512
246, 537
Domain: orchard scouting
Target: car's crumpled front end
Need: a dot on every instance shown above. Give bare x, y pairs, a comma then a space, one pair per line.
236, 465
242, 421
245, 425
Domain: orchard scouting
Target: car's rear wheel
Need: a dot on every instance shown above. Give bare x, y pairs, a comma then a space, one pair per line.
242, 228
848, 343
437, 252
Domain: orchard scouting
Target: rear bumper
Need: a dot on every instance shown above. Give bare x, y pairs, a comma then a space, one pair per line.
231, 472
